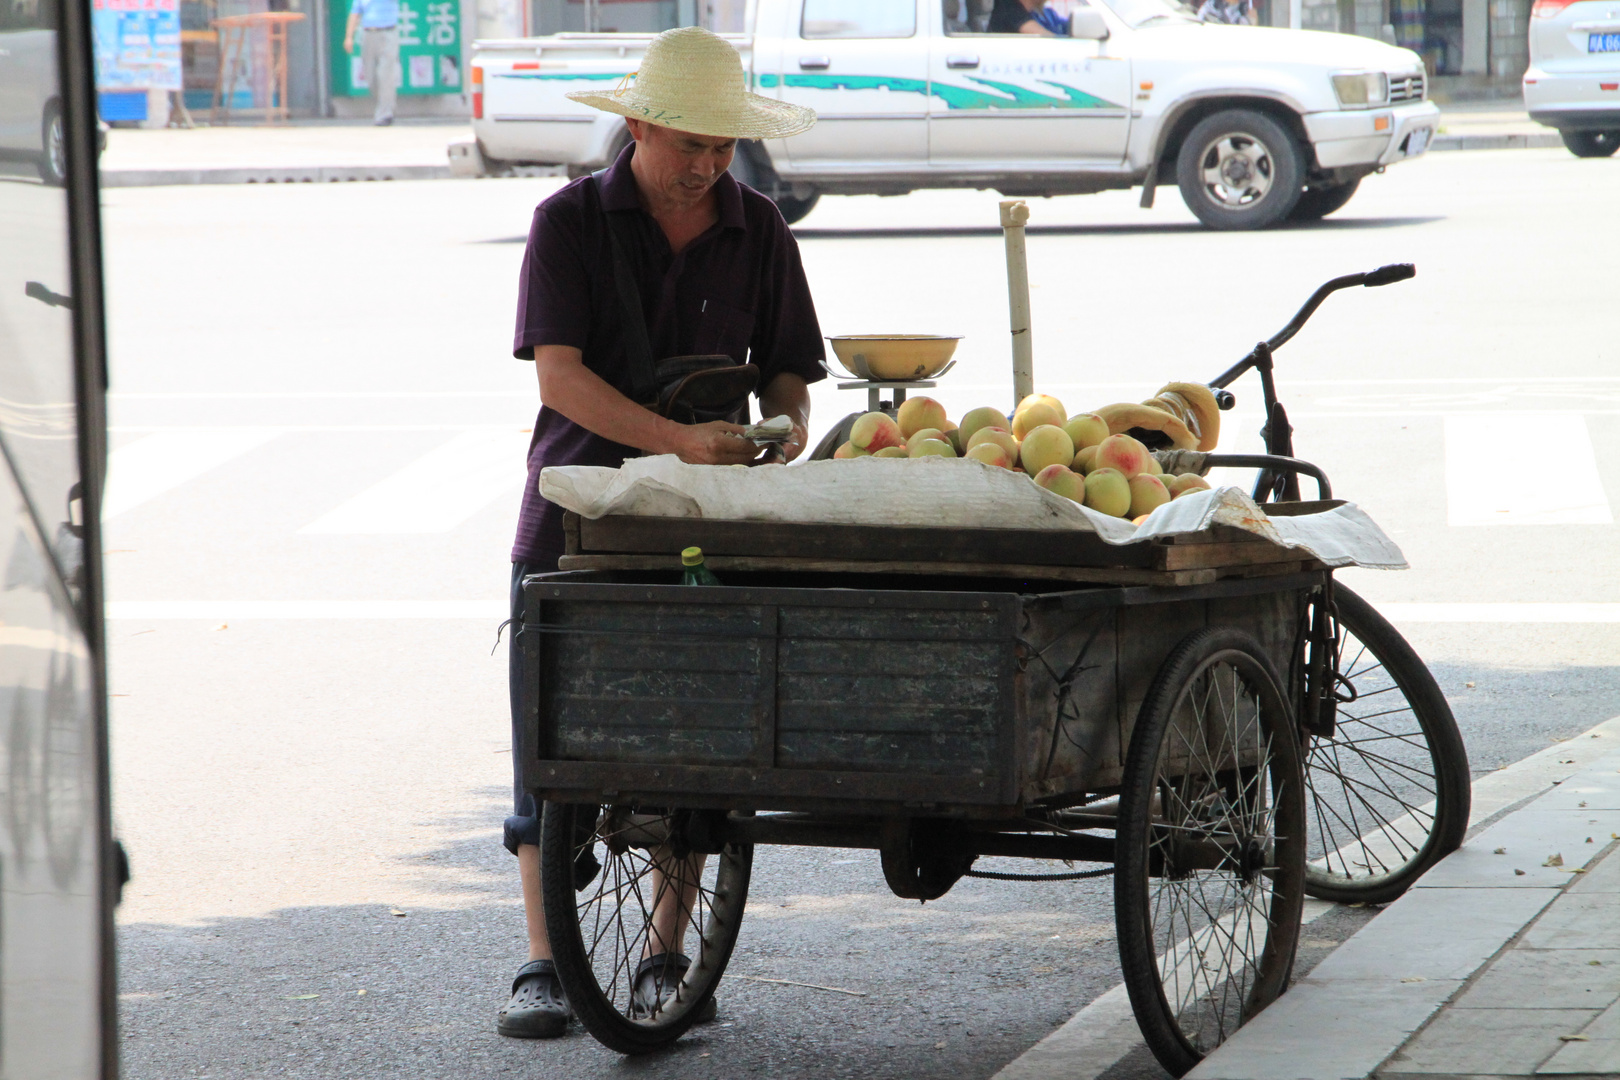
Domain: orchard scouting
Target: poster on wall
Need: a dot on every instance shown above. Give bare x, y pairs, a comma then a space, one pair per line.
137, 44
429, 49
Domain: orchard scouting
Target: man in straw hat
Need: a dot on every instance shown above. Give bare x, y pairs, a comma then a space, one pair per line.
717, 271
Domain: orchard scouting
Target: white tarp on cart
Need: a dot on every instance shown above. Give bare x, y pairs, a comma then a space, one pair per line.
937, 493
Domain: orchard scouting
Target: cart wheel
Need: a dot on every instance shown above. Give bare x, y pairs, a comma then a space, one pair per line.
1390, 787
1209, 883
604, 920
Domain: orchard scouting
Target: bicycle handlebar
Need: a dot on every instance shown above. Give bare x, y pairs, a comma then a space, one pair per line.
1384, 275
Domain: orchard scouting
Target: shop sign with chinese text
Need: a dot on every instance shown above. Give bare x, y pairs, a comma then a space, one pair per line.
137, 44
429, 49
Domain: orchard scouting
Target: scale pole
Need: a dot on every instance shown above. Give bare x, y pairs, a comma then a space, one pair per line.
1014, 214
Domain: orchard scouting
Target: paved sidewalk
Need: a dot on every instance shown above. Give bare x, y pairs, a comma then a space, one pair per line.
294, 153
1503, 961
315, 152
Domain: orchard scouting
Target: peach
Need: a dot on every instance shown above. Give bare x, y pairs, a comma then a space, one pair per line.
1147, 494
850, 450
999, 436
1085, 460
875, 430
1064, 481
1153, 466
1185, 482
1043, 446
891, 451
1034, 414
918, 413
984, 416
1043, 399
1086, 429
1119, 452
925, 433
991, 453
1108, 492
932, 448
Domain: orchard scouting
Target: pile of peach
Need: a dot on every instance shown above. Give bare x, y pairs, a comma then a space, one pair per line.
1076, 457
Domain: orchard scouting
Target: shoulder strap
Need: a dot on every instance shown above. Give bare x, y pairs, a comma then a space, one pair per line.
643, 381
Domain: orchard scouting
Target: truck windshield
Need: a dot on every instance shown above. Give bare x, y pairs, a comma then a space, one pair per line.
1139, 13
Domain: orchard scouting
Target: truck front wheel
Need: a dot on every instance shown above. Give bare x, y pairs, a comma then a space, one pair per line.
1317, 203
794, 209
1240, 169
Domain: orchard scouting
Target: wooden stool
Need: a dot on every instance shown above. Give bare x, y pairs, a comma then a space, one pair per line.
235, 31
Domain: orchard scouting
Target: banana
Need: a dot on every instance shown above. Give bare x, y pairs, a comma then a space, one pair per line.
1125, 416
1194, 405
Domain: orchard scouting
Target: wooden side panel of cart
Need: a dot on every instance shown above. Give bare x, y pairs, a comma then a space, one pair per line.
926, 699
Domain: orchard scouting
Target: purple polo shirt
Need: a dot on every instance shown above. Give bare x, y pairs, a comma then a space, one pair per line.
738, 289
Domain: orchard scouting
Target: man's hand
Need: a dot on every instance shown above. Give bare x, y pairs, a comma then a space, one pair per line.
789, 448
787, 395
715, 443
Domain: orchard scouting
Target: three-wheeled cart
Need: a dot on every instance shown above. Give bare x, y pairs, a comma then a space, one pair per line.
1208, 717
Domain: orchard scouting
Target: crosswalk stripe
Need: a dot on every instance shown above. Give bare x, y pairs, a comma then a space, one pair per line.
224, 610
1492, 478
437, 491
160, 462
227, 610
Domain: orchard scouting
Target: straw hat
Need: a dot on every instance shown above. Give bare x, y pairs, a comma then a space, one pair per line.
692, 80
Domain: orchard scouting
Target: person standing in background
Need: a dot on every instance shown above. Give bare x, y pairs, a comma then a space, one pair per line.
378, 21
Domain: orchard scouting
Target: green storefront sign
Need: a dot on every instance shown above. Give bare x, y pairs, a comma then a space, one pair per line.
429, 49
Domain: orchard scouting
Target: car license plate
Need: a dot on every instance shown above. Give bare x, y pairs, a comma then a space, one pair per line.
1417, 142
1602, 43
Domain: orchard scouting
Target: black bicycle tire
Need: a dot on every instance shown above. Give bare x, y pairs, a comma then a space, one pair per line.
1139, 961
1453, 787
595, 1011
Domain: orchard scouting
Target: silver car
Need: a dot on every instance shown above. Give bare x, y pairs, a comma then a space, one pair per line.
30, 110
1573, 83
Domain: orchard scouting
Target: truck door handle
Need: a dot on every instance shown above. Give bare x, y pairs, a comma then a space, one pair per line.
814, 63
961, 61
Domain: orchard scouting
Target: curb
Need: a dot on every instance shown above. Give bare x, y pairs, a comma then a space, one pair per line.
111, 178
1365, 1000
324, 174
1537, 140
1104, 1032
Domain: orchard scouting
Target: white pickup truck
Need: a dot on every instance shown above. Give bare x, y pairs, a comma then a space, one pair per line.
1255, 125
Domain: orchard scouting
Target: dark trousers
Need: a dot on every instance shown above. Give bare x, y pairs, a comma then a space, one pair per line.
523, 827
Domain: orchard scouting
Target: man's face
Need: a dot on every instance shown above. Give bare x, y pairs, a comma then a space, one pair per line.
679, 166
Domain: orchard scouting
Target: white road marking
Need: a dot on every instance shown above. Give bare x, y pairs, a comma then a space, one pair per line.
437, 491
1501, 613
228, 610
1491, 481
163, 461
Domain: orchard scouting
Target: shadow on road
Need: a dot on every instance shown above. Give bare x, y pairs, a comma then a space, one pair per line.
905, 232
1165, 229
952, 991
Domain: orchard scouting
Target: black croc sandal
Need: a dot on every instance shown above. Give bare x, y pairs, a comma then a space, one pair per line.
657, 979
538, 1009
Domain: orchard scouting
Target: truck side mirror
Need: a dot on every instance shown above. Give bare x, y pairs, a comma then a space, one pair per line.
1088, 23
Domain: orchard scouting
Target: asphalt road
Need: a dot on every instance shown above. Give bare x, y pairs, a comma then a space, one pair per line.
312, 803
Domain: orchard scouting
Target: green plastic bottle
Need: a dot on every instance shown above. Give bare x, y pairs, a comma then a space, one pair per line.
695, 573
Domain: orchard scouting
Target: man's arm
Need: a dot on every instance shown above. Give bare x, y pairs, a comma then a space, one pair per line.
787, 395
577, 392
348, 34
